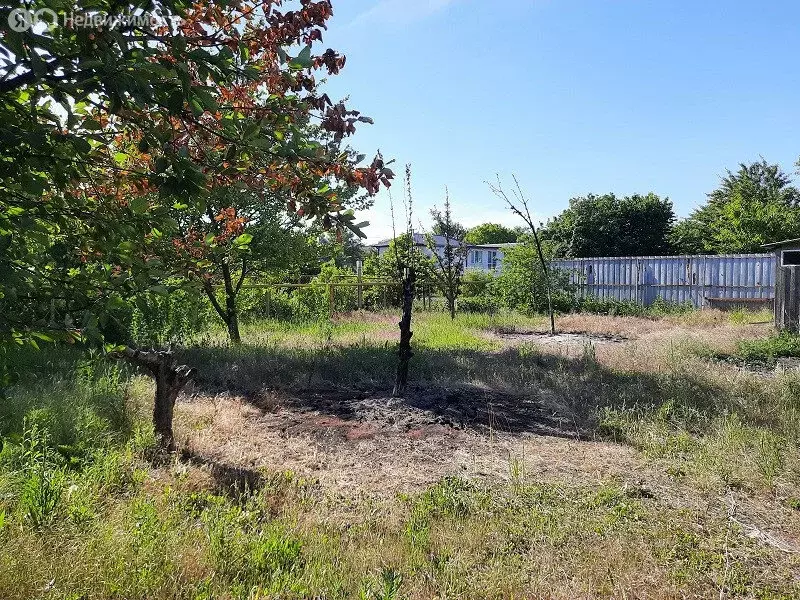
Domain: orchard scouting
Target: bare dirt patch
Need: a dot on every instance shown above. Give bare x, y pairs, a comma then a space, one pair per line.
356, 443
560, 339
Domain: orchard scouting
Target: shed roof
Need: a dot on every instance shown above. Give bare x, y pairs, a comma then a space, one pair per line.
420, 239
793, 242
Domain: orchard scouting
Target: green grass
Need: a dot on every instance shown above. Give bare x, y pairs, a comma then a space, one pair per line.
785, 344
439, 332
274, 331
629, 308
747, 317
457, 539
757, 352
88, 510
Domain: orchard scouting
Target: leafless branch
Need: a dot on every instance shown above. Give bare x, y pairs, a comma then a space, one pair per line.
519, 205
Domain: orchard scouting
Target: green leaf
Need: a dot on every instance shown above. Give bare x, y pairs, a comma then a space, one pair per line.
197, 107
139, 204
303, 60
252, 130
33, 186
175, 102
115, 303
81, 145
206, 99
243, 240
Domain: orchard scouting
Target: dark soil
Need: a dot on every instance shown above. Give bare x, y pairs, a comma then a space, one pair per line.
356, 415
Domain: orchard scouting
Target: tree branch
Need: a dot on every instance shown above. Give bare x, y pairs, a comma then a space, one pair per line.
209, 290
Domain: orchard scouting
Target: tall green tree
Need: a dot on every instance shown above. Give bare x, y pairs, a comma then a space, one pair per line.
491, 233
244, 235
441, 227
755, 205
607, 225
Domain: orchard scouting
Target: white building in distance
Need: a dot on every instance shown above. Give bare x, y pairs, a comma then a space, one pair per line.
487, 258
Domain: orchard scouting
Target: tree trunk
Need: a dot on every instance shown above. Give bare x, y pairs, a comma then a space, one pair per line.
405, 352
546, 280
170, 379
231, 316
232, 320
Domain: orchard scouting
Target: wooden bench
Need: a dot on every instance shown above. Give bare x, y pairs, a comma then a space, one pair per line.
738, 303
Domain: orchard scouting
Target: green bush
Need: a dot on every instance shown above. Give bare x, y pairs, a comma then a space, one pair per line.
476, 283
784, 344
607, 306
155, 320
309, 303
477, 304
522, 286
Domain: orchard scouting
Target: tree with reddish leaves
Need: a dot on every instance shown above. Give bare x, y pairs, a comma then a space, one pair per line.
107, 130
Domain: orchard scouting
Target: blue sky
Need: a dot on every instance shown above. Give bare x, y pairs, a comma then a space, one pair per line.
574, 96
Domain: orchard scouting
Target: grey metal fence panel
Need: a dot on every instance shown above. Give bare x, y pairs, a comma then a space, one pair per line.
700, 280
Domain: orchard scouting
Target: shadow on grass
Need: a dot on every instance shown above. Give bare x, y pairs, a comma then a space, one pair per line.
234, 482
516, 390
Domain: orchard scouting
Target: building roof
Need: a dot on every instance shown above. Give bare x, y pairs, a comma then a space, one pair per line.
420, 239
503, 245
792, 242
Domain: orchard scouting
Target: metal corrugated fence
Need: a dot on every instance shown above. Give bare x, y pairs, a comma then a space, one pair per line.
702, 280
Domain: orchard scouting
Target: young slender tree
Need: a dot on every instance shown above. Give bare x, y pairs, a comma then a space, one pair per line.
406, 270
519, 206
451, 259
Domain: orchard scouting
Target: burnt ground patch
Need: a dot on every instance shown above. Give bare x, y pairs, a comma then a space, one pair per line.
463, 407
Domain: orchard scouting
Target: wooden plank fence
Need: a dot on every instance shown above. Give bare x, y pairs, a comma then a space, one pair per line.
704, 281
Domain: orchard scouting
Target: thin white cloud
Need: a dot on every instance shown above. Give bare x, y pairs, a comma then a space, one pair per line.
399, 12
